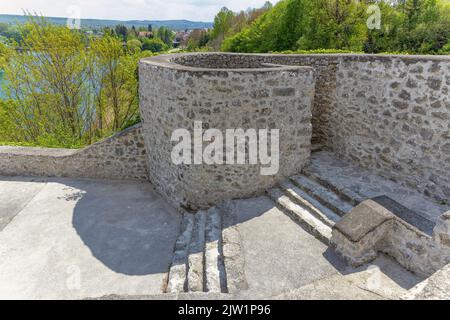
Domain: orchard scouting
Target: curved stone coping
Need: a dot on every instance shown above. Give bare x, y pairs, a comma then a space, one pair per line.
171, 61
37, 151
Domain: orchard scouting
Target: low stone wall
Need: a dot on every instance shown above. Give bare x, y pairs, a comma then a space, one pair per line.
371, 228
222, 91
121, 156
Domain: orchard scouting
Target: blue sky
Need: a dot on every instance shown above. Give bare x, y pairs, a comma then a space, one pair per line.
199, 10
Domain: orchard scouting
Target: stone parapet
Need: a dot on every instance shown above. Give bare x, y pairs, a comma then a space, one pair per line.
121, 156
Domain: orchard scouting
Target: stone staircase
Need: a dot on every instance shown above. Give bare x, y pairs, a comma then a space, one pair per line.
207, 250
313, 203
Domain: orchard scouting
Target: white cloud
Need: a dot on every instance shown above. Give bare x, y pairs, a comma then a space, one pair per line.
199, 10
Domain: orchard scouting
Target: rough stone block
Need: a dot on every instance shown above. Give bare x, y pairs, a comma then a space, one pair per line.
358, 236
441, 232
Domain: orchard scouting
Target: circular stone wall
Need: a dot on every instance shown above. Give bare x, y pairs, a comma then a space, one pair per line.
222, 91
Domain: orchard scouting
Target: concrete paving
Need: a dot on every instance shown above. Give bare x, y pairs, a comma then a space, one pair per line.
74, 239
11, 203
284, 261
90, 239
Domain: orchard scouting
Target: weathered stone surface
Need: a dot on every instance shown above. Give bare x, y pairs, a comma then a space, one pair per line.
195, 276
225, 91
371, 228
407, 215
413, 129
215, 279
176, 280
436, 287
121, 156
363, 103
363, 219
441, 232
357, 184
359, 235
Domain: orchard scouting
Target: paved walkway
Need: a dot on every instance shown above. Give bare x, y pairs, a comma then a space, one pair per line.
75, 239
283, 261
71, 239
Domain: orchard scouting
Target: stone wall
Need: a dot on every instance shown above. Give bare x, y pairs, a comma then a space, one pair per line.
392, 114
224, 91
384, 112
121, 156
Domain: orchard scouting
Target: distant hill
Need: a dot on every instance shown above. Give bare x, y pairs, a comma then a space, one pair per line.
99, 23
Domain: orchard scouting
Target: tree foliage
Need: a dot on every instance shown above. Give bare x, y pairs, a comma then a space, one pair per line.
5, 54
154, 45
68, 90
227, 23
415, 26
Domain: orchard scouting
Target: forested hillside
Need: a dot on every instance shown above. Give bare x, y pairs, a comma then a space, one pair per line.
410, 26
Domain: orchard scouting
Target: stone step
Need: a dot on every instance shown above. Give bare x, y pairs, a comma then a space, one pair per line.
322, 194
233, 256
301, 215
198, 262
176, 280
303, 199
196, 254
214, 263
345, 194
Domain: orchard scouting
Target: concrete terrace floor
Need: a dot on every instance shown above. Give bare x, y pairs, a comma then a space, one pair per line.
73, 239
77, 239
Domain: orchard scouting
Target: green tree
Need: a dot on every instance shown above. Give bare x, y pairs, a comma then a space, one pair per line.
121, 31
134, 45
68, 90
117, 100
415, 26
222, 26
47, 86
154, 45
166, 35
5, 54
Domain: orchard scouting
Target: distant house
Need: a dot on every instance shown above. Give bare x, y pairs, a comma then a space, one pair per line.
145, 34
181, 38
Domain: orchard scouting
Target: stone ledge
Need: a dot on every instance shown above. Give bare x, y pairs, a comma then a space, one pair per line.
362, 220
121, 156
258, 65
371, 228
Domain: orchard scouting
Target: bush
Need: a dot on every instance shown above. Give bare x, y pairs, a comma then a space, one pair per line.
154, 45
5, 53
134, 45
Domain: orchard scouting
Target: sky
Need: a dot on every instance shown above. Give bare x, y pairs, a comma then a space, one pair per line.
196, 10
